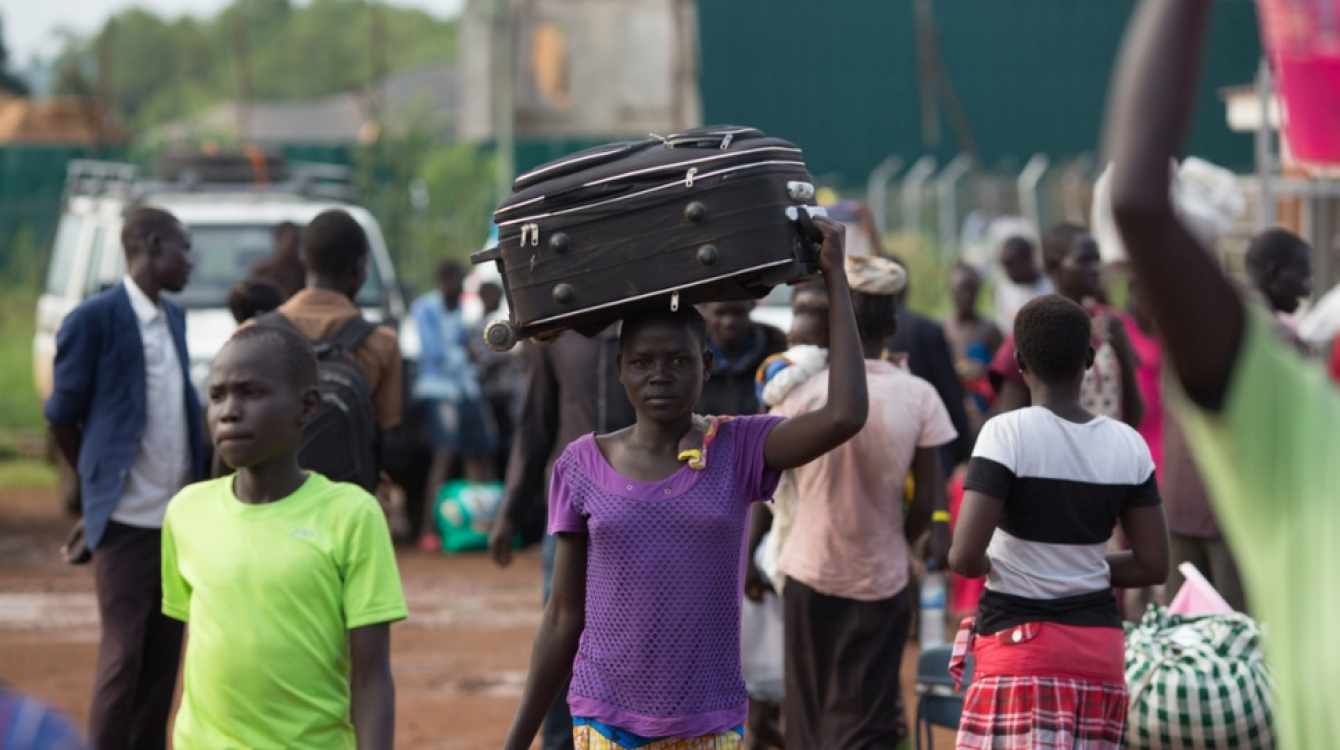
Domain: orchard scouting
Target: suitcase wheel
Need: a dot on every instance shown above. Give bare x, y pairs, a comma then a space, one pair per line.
500, 336
546, 339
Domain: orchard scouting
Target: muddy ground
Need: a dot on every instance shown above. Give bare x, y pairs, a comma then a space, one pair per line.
459, 660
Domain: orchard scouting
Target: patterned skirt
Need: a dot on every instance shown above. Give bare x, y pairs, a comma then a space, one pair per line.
1043, 713
588, 734
1042, 686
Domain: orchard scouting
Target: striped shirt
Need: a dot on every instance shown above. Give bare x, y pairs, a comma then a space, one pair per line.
1064, 485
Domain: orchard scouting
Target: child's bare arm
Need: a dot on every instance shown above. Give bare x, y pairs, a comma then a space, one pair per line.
805, 437
1132, 402
978, 516
373, 689
928, 497
1198, 313
556, 642
1146, 562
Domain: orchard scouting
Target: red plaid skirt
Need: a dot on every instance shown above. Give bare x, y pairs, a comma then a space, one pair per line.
1040, 711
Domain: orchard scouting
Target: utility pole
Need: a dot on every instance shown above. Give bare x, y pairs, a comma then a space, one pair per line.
103, 103
241, 70
377, 47
928, 73
504, 77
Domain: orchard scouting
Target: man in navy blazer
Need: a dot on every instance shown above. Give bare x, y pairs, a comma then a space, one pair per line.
123, 412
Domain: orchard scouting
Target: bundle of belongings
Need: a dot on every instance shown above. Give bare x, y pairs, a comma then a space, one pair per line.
1197, 675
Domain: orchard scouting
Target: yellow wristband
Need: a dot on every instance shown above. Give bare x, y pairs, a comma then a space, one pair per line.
940, 516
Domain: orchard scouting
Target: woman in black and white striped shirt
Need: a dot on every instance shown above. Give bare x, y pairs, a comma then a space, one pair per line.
1045, 488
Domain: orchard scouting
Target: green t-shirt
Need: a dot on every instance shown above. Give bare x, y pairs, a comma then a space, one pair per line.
1271, 458
270, 592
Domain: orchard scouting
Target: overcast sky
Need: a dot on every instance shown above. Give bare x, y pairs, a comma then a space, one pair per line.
30, 25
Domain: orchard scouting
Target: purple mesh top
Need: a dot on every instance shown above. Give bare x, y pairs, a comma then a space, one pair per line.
660, 655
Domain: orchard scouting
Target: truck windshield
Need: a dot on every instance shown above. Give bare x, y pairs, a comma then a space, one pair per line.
224, 254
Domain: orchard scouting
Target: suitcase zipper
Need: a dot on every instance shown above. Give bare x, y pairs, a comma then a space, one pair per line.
697, 177
532, 231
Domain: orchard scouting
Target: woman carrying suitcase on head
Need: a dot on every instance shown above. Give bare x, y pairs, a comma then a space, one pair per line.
645, 610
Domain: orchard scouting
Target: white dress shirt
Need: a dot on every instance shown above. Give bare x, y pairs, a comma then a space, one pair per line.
163, 463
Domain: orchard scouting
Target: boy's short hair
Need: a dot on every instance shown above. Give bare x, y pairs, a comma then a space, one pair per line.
253, 296
334, 243
293, 352
1052, 335
686, 316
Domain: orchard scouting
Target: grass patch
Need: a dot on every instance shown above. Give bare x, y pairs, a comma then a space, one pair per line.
20, 408
27, 474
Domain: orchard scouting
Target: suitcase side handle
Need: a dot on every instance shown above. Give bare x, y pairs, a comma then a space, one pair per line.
712, 136
486, 255
803, 216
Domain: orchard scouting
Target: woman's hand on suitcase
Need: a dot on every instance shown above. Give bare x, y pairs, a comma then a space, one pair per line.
834, 245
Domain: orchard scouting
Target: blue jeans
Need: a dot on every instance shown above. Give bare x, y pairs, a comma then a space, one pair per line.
556, 734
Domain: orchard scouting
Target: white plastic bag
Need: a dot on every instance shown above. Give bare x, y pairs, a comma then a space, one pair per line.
763, 648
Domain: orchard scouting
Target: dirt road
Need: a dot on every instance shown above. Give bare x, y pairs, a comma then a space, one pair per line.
459, 661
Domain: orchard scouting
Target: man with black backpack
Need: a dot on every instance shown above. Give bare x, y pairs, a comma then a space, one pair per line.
359, 365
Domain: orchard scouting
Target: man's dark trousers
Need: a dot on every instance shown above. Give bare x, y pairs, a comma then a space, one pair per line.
141, 647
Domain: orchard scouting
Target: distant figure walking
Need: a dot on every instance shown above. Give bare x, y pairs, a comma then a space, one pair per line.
285, 267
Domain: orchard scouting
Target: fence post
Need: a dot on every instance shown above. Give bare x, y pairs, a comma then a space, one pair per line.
1028, 188
910, 191
877, 190
1072, 182
947, 187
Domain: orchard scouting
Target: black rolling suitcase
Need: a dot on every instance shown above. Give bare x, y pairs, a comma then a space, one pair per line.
711, 214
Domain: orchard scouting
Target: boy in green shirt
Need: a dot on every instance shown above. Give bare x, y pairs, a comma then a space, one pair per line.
288, 581
1262, 422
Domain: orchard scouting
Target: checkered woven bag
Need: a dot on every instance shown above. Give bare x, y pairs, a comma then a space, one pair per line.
1198, 683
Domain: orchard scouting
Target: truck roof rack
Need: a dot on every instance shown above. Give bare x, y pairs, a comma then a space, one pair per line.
91, 178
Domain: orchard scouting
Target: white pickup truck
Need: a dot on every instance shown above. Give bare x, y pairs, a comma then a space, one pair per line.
231, 226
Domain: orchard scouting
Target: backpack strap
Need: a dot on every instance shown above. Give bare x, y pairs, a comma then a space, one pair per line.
275, 319
346, 339
349, 337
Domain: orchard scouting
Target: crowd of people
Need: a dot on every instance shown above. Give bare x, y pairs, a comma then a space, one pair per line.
1042, 448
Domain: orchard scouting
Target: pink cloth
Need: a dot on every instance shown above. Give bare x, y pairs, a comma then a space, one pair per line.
847, 537
1197, 595
1149, 376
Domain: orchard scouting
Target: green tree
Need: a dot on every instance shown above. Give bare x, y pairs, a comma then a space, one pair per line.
9, 82
156, 69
